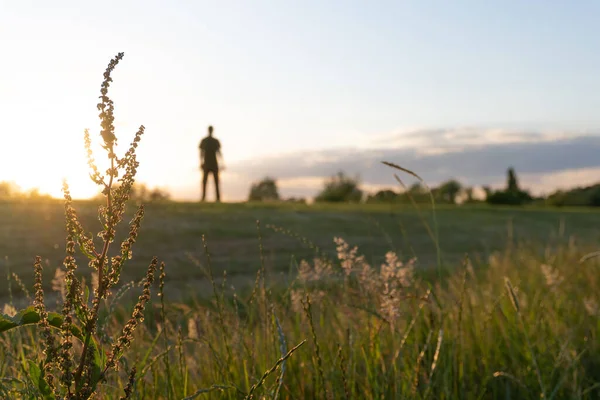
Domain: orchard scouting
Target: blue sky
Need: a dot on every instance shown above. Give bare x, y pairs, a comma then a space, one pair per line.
296, 80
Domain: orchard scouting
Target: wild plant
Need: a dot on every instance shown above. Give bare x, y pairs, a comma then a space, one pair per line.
74, 361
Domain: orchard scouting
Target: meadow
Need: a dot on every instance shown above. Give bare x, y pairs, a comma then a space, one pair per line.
286, 301
516, 319
288, 233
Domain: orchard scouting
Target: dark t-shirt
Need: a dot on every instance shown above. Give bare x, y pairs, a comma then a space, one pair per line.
211, 146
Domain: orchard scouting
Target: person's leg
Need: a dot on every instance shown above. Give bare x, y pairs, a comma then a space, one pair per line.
217, 184
204, 180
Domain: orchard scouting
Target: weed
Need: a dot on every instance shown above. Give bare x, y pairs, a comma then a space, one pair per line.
65, 369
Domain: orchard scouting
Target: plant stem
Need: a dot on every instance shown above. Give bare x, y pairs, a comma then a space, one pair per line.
91, 324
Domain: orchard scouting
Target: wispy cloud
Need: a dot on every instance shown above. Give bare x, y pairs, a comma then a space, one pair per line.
435, 141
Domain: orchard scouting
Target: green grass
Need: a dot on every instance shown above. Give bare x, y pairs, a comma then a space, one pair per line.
472, 335
173, 231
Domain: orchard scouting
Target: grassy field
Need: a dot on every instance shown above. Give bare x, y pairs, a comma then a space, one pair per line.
519, 321
174, 231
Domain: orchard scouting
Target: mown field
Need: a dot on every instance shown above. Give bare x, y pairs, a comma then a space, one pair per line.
520, 320
173, 232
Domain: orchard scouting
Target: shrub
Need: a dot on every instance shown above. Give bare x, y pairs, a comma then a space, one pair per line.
583, 196
340, 188
503, 197
141, 193
383, 196
265, 190
417, 193
296, 200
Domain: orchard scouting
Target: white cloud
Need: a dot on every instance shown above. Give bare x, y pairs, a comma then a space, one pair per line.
546, 183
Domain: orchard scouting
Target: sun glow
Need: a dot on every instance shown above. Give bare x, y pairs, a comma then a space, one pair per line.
41, 163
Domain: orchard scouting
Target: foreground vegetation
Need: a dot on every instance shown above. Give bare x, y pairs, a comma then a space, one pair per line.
523, 324
517, 323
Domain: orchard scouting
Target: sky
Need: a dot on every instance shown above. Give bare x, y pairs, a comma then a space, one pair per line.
301, 90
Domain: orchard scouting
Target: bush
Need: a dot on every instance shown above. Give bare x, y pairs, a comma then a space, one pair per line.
296, 200
140, 193
340, 189
588, 196
417, 193
503, 197
383, 196
265, 190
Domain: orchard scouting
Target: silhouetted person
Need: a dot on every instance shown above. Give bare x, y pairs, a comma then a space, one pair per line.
210, 148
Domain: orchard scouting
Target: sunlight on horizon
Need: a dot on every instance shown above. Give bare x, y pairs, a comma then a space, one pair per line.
46, 165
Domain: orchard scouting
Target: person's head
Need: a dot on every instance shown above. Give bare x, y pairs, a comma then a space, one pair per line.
210, 130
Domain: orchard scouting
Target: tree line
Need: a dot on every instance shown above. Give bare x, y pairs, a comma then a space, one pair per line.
140, 192
342, 188
9, 190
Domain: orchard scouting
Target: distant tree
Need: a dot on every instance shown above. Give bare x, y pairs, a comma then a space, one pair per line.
416, 188
34, 194
595, 196
8, 189
588, 196
298, 200
157, 194
141, 193
512, 195
512, 185
488, 191
416, 192
448, 191
340, 188
469, 194
265, 190
557, 198
505, 197
383, 196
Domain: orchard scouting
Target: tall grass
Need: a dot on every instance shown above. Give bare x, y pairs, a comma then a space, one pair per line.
523, 324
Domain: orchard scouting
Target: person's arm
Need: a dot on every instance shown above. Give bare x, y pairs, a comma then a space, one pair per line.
220, 158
